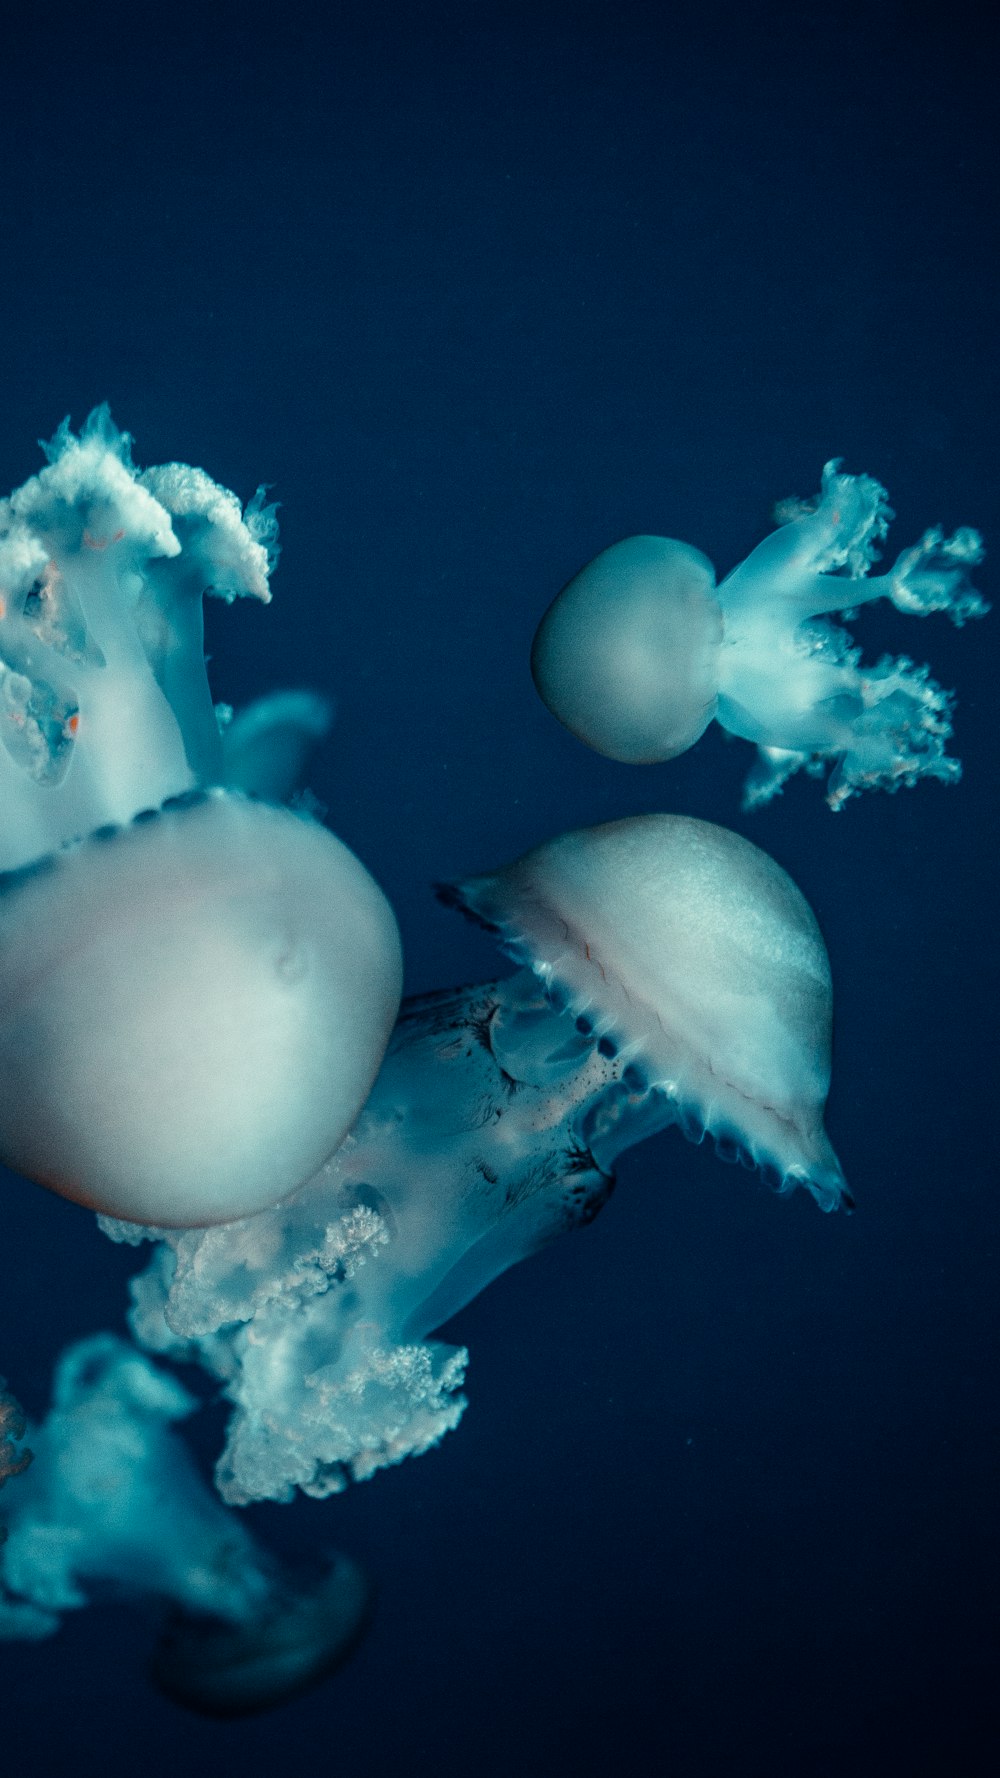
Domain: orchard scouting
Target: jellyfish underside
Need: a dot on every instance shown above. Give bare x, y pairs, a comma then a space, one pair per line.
641, 650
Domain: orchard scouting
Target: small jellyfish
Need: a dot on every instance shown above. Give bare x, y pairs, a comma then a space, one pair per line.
196, 985
115, 1505
641, 650
694, 961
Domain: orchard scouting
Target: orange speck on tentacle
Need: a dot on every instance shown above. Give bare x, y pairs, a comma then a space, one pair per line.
73, 723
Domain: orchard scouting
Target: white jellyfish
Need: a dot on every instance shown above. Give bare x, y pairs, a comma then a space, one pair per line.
114, 1506
641, 650
689, 956
196, 987
670, 974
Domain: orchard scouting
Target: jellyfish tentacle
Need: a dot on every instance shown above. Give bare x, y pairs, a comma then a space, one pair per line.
932, 575
268, 746
799, 688
818, 545
103, 693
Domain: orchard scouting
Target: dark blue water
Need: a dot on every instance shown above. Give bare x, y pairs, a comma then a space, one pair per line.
479, 288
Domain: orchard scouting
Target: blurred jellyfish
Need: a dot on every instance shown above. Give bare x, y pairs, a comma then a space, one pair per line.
641, 649
267, 747
196, 987
114, 1507
12, 1461
669, 973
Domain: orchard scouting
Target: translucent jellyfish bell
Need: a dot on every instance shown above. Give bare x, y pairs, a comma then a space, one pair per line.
192, 1010
305, 1632
196, 988
641, 650
697, 960
626, 655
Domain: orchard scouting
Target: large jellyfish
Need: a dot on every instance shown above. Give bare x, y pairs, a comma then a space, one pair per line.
114, 1505
196, 987
669, 973
641, 650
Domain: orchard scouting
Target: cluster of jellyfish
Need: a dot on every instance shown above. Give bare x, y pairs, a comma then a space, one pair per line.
201, 1035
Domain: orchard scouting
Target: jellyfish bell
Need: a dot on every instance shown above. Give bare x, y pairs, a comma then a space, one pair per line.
692, 956
626, 655
308, 1629
193, 1009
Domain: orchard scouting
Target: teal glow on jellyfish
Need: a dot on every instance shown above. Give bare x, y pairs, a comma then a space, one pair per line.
641, 650
669, 974
196, 986
114, 1506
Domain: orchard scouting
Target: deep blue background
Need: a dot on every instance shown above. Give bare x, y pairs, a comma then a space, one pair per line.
480, 288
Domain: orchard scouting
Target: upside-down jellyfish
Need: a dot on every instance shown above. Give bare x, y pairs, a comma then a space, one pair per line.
641, 650
669, 973
196, 988
114, 1504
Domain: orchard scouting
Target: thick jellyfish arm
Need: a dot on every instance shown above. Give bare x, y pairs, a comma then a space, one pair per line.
104, 700
114, 1505
671, 975
797, 687
303, 1319
837, 533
